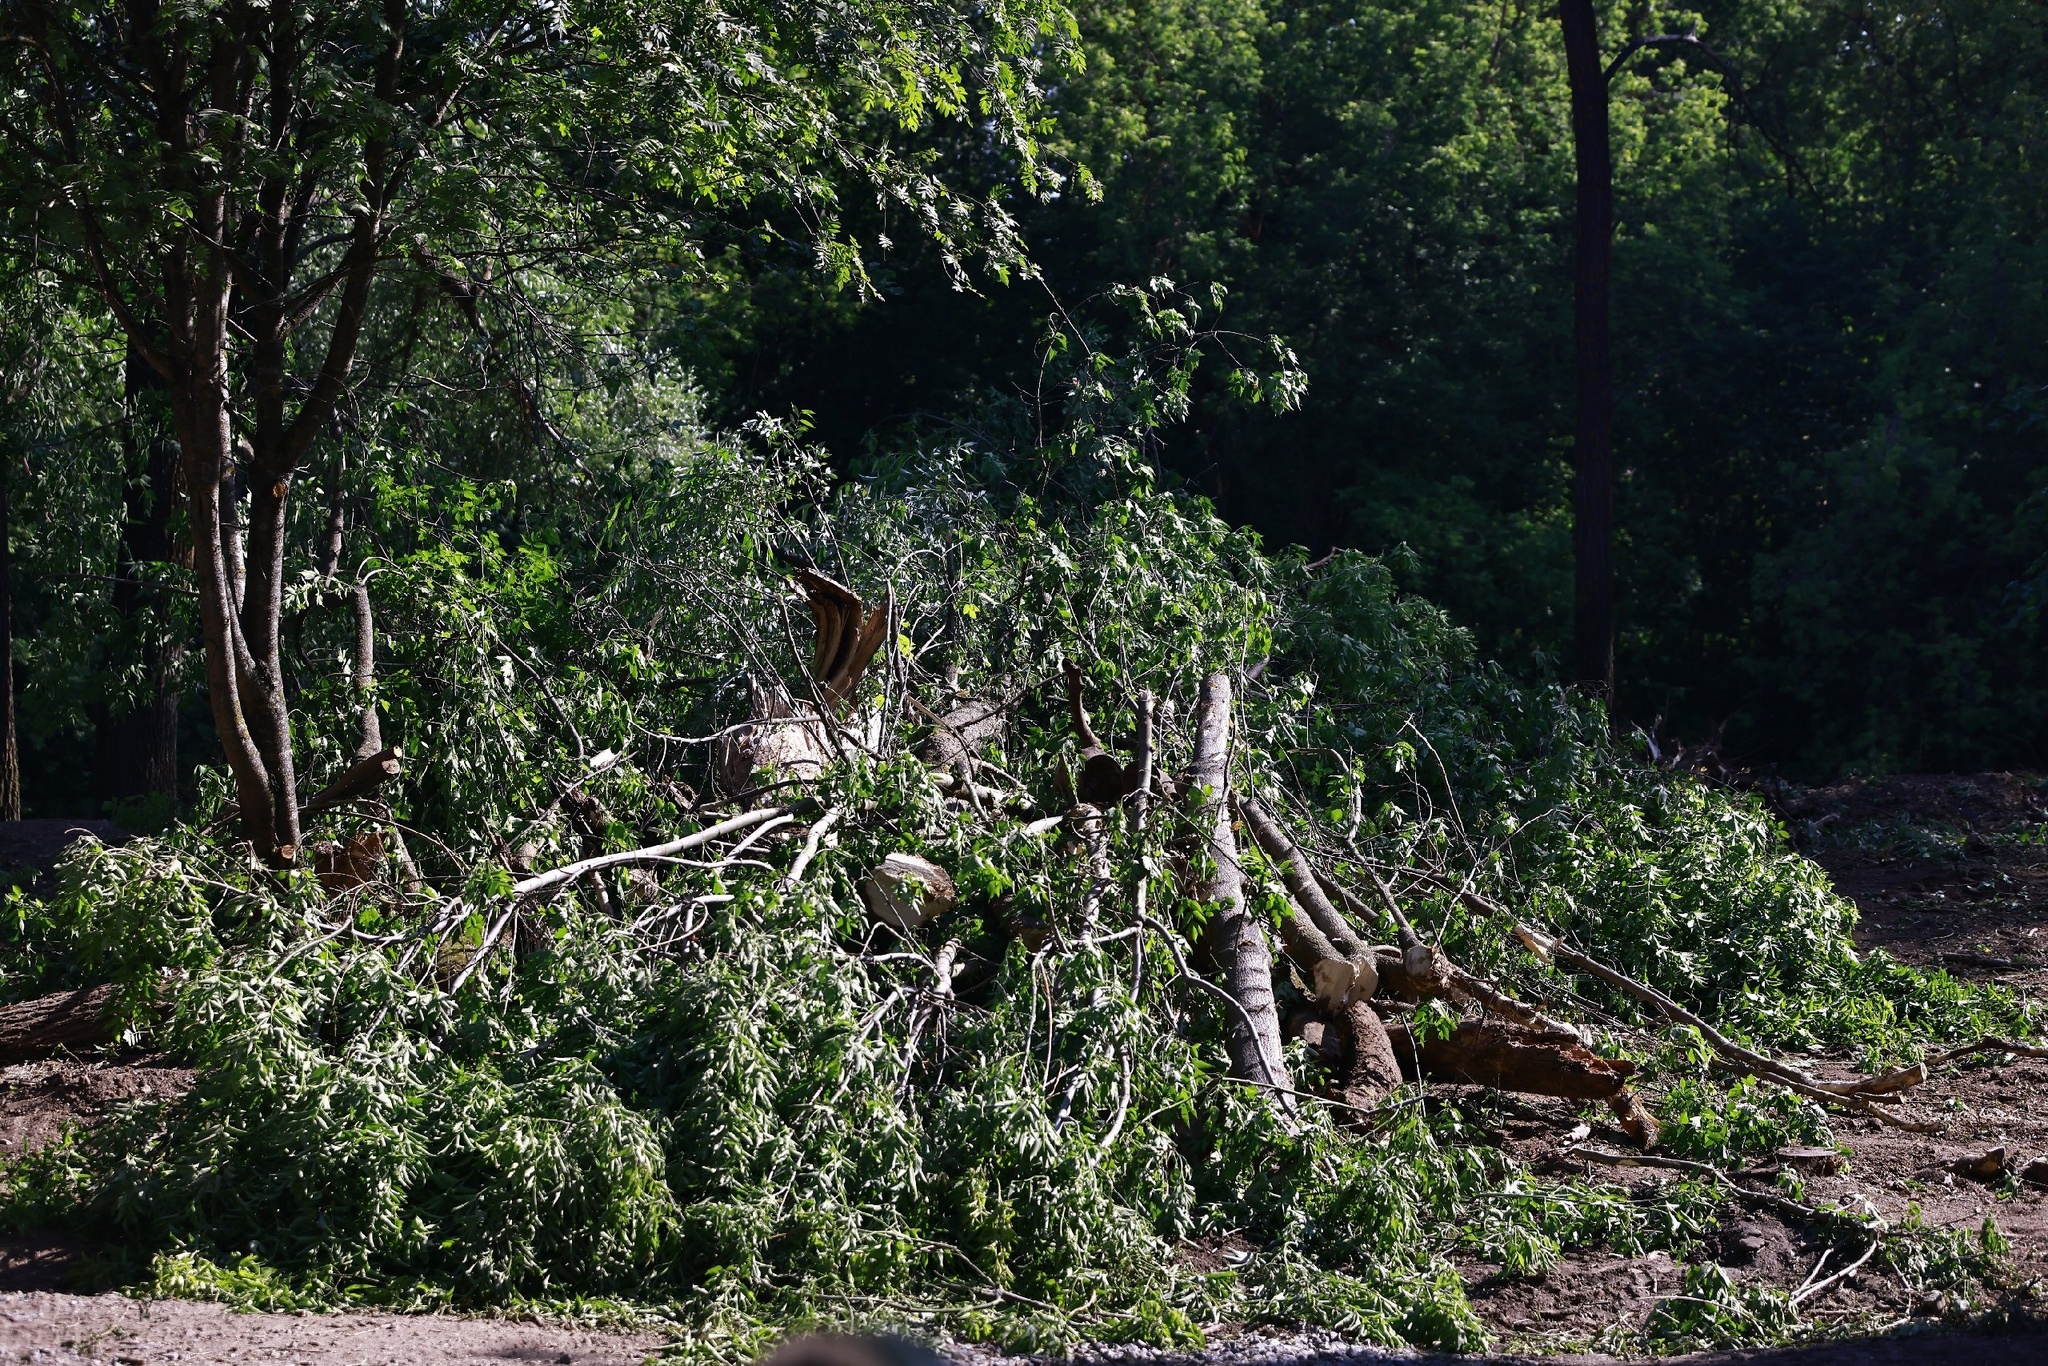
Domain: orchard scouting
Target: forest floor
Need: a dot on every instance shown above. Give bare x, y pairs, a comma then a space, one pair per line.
1948, 871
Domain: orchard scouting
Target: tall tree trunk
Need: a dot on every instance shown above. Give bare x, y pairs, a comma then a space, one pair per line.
1592, 289
10, 751
1253, 1033
201, 404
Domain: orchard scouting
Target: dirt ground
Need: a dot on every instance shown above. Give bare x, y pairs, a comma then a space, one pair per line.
1947, 871
56, 1329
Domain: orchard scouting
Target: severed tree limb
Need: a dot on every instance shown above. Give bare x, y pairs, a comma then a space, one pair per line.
1846, 1094
1094, 830
1990, 1043
1418, 959
1103, 782
1441, 976
1300, 878
1252, 1036
944, 963
359, 780
364, 680
1141, 760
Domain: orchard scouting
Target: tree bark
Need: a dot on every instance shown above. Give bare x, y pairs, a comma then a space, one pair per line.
1592, 291
1508, 1057
69, 1019
1252, 1034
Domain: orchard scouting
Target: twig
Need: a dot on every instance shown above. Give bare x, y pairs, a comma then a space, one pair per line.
1776, 1203
1812, 1290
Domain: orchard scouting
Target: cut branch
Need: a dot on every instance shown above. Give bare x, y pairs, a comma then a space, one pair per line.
1850, 1095
655, 853
1253, 1035
361, 779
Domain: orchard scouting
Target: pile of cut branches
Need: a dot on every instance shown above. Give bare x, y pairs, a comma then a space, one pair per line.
1084, 926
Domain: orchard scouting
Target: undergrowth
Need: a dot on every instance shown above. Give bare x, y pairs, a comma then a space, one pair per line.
729, 1104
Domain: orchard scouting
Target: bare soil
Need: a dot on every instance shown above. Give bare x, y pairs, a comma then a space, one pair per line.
57, 1329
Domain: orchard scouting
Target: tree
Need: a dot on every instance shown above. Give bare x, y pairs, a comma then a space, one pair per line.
234, 181
1593, 357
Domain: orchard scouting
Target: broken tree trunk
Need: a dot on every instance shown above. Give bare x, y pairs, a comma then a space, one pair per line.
849, 633
1253, 1032
69, 1019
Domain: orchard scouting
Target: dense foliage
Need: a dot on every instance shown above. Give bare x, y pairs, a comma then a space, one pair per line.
1829, 333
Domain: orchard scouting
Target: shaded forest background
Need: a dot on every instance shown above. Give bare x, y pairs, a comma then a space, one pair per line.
1830, 331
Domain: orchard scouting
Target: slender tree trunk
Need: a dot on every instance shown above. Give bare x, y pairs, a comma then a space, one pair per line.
1592, 288
10, 751
203, 437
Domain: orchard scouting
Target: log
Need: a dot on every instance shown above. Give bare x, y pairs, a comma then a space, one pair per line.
1252, 1036
1372, 1070
1507, 1057
961, 732
69, 1019
358, 780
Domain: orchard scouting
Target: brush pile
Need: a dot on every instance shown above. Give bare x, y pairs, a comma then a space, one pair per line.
1002, 903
